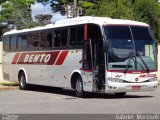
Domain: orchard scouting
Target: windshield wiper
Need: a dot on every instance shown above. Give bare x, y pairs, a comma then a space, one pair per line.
148, 70
129, 60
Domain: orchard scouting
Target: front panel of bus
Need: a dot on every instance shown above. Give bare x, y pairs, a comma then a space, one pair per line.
131, 58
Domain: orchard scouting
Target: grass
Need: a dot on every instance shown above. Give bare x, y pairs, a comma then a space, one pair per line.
9, 83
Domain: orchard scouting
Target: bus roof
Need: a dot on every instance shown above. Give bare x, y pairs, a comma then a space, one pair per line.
81, 20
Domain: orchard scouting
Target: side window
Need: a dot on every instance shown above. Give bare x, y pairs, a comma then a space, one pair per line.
94, 32
73, 37
87, 61
46, 39
6, 43
22, 41
57, 38
13, 42
64, 37
76, 36
33, 40
80, 35
95, 35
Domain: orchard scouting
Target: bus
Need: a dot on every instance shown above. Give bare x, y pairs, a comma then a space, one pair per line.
86, 54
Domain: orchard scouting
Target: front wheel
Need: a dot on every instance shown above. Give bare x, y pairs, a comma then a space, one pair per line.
79, 87
120, 94
22, 81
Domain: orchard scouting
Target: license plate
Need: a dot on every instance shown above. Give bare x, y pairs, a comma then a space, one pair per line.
136, 87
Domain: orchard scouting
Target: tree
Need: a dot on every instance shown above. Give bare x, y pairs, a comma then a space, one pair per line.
2, 1
17, 12
115, 9
43, 19
89, 8
149, 12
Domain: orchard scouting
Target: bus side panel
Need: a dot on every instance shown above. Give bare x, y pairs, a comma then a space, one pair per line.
59, 74
7, 67
32, 72
87, 77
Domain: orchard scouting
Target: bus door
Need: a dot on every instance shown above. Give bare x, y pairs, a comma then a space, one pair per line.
93, 58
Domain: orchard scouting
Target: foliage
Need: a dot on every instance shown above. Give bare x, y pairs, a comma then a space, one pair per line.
87, 7
17, 12
149, 12
2, 1
9, 83
43, 19
115, 9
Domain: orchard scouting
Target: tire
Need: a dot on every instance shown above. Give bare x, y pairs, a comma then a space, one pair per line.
120, 94
22, 81
79, 87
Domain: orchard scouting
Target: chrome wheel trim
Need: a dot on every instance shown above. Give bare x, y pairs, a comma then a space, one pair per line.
78, 86
22, 81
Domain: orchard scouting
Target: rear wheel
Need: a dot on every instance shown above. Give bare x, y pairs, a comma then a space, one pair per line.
120, 94
79, 87
22, 81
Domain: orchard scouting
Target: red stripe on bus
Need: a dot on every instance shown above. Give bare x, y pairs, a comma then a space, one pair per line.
61, 58
14, 61
39, 58
54, 56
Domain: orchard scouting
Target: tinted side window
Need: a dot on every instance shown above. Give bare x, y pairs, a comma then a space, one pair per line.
80, 35
33, 40
22, 41
76, 36
13, 42
46, 39
57, 38
64, 37
6, 43
73, 37
94, 32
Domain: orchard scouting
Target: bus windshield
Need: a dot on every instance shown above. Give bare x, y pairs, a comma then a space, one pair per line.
130, 48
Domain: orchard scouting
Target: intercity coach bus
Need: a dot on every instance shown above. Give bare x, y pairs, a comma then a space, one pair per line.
87, 54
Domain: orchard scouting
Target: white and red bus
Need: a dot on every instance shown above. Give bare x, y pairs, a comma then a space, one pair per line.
92, 54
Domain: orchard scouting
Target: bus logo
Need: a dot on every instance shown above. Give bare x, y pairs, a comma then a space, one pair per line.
147, 75
34, 58
40, 58
136, 79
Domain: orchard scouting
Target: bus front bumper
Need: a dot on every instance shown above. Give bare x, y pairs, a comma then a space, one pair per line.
113, 87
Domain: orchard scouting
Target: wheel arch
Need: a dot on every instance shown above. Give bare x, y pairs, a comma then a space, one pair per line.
74, 75
25, 73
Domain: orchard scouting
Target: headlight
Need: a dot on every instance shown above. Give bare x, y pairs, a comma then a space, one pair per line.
115, 80
152, 79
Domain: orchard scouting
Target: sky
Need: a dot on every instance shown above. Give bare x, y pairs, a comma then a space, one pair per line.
39, 8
